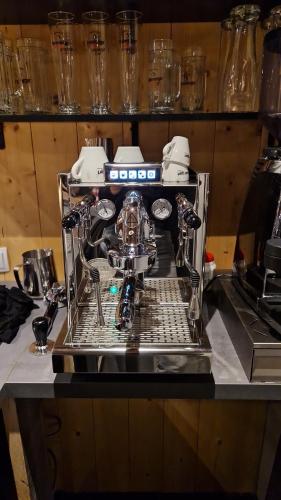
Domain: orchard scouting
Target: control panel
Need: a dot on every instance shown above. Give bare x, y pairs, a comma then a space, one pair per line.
132, 173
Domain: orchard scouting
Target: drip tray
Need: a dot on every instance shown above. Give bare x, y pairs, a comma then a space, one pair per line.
160, 326
154, 328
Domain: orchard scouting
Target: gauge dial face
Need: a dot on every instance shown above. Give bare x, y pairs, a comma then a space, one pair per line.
161, 209
105, 209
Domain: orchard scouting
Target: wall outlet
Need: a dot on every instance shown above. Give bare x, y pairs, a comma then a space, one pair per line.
4, 263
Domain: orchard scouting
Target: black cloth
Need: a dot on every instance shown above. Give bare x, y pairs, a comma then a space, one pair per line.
15, 307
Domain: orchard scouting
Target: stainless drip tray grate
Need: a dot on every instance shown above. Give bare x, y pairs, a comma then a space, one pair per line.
157, 291
160, 323
153, 327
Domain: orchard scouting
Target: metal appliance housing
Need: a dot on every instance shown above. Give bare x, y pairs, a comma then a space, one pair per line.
162, 338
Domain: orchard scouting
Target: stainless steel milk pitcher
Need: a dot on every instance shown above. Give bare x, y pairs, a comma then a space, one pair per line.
39, 272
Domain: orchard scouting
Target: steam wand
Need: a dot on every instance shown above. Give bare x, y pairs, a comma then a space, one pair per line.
193, 313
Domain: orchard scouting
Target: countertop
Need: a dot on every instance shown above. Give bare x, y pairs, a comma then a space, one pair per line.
24, 375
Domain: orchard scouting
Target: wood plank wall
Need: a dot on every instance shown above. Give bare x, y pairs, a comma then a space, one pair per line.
155, 445
35, 152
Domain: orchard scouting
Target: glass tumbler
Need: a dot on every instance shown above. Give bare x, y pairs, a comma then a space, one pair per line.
164, 77
193, 79
32, 62
64, 58
226, 37
10, 87
94, 24
129, 68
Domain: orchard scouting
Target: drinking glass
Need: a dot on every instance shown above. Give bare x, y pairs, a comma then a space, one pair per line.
193, 79
94, 24
226, 37
129, 70
32, 61
240, 86
10, 87
64, 58
164, 77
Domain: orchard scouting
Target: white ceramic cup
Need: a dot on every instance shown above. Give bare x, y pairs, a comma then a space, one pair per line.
89, 166
176, 159
128, 154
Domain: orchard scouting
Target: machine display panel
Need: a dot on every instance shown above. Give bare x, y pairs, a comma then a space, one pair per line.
135, 173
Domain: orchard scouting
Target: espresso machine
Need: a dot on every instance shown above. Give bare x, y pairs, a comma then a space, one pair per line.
133, 244
251, 300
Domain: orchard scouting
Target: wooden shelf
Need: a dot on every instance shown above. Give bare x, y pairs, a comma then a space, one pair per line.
26, 12
141, 117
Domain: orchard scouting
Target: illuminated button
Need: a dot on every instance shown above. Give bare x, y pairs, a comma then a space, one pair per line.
113, 289
142, 174
132, 174
113, 175
123, 174
151, 174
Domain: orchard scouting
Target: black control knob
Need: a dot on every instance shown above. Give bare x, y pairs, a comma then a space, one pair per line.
71, 220
40, 327
192, 219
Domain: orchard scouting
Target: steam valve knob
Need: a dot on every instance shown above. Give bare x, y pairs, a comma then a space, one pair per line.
192, 219
40, 327
70, 220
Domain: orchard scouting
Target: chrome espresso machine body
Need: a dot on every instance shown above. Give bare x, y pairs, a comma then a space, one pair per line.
134, 248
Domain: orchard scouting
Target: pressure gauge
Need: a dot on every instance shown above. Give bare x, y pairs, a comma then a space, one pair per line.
104, 209
161, 209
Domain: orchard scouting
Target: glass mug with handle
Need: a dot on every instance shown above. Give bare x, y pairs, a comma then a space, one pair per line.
10, 86
193, 79
164, 77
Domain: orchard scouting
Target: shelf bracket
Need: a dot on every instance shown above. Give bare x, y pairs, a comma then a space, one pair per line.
2, 137
135, 133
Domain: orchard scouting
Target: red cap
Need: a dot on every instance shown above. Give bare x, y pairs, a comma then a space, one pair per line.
209, 257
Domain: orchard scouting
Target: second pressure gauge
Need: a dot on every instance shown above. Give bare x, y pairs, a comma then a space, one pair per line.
104, 209
161, 209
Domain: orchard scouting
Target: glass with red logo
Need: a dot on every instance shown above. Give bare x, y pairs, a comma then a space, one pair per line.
129, 71
64, 58
95, 28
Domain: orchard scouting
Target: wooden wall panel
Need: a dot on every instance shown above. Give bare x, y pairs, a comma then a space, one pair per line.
201, 136
19, 212
55, 150
17, 457
146, 420
154, 445
229, 445
111, 428
237, 146
152, 138
52, 426
78, 445
120, 133
181, 420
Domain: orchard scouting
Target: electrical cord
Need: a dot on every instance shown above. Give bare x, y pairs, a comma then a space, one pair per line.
52, 455
221, 275
54, 467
